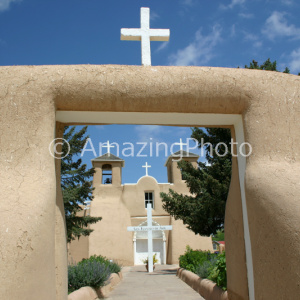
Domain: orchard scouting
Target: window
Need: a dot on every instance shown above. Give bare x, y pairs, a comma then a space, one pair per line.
149, 199
106, 174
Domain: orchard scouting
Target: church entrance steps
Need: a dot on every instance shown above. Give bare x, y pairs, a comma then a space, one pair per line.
161, 284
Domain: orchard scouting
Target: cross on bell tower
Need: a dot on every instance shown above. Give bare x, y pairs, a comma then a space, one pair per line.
108, 146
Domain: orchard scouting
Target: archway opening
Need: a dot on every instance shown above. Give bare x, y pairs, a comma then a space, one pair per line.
106, 174
233, 121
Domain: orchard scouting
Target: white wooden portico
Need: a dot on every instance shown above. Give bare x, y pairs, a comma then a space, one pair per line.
149, 229
140, 244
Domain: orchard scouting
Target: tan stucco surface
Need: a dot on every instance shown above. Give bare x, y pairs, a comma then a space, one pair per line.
78, 248
269, 105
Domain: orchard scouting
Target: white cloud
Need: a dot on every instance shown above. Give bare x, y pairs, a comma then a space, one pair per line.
162, 46
250, 36
256, 41
100, 127
233, 31
232, 4
257, 44
4, 4
246, 16
287, 2
154, 16
200, 51
277, 26
295, 61
188, 2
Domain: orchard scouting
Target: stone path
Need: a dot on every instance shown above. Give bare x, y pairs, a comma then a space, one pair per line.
161, 284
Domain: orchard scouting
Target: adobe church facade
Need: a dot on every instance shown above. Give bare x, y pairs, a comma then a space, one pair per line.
121, 205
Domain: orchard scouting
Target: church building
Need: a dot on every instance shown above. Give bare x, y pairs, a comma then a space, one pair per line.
122, 205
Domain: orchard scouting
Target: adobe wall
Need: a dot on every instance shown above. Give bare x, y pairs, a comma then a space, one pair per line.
133, 196
28, 186
115, 219
78, 248
267, 101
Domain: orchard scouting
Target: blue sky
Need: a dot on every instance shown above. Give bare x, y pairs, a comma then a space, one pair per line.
143, 138
226, 33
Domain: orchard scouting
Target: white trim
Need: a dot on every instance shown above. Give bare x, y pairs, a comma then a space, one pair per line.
153, 217
124, 184
134, 251
239, 132
95, 117
165, 252
184, 119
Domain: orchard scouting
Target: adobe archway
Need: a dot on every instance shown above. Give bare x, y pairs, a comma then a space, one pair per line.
261, 107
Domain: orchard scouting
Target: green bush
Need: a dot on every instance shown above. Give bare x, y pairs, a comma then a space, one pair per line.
93, 272
218, 274
203, 270
206, 265
193, 258
113, 267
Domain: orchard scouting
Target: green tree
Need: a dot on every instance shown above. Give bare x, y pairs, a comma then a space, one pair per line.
204, 211
267, 65
219, 236
76, 184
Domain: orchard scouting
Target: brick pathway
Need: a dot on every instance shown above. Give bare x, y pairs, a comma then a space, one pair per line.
159, 285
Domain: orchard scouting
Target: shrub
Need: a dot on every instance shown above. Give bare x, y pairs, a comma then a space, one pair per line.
93, 272
206, 265
218, 273
203, 270
113, 267
193, 258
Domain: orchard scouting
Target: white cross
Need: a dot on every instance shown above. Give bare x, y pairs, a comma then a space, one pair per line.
181, 144
108, 147
145, 35
146, 166
149, 228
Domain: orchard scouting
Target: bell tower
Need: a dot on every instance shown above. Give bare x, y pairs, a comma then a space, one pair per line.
108, 169
174, 173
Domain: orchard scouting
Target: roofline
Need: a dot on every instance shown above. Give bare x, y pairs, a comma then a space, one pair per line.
195, 156
110, 161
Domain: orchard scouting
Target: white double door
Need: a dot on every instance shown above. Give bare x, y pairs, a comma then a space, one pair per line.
141, 251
